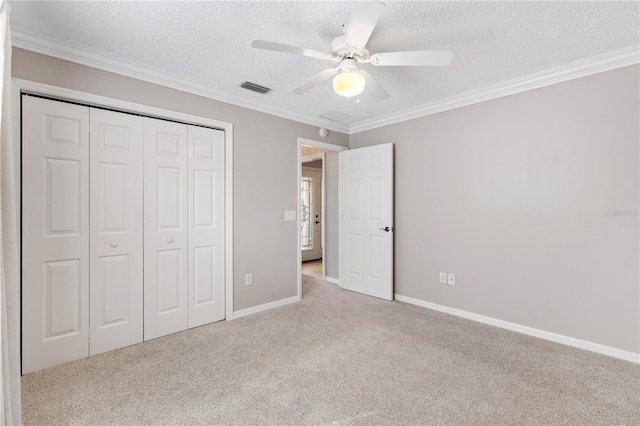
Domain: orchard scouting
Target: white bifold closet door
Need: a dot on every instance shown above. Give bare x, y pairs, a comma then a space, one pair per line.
82, 232
116, 305
206, 225
122, 230
165, 228
183, 226
55, 233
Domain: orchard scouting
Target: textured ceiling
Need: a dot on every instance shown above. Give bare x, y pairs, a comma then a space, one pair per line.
209, 42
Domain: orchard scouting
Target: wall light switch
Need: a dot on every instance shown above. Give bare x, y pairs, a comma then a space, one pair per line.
289, 215
248, 279
443, 277
452, 279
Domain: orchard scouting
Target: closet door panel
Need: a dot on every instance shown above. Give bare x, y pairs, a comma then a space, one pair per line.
165, 227
55, 233
206, 225
116, 308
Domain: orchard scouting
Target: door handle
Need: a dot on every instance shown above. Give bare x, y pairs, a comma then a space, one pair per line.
317, 222
386, 229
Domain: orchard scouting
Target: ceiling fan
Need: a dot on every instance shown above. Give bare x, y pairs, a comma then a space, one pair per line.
349, 51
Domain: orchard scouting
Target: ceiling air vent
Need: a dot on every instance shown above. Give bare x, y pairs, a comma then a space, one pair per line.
335, 116
255, 87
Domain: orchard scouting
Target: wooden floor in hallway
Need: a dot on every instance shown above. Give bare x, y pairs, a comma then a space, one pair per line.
313, 268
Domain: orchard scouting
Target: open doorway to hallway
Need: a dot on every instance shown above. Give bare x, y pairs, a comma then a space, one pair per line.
312, 268
312, 194
318, 195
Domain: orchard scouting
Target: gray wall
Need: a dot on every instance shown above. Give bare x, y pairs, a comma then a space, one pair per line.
265, 169
511, 195
332, 214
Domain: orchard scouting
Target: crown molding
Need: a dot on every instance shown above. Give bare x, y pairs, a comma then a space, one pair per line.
597, 64
29, 40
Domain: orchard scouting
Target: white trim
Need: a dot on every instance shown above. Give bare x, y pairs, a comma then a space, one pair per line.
340, 221
597, 64
297, 236
16, 131
332, 280
228, 226
327, 147
19, 86
24, 38
546, 335
321, 145
126, 106
265, 307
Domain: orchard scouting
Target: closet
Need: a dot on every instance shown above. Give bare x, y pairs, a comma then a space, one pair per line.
122, 229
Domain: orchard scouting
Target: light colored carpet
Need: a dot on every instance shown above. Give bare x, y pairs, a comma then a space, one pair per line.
338, 358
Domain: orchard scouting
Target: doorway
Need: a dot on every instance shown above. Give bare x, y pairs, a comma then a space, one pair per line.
312, 268
311, 207
318, 201
312, 212
364, 182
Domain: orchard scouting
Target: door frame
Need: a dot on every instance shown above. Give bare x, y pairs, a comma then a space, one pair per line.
308, 159
19, 86
327, 147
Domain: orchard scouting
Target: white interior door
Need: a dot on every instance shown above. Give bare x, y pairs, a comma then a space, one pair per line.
55, 233
206, 226
311, 213
165, 228
367, 220
116, 263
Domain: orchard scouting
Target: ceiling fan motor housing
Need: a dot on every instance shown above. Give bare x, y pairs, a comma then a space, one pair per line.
341, 50
349, 65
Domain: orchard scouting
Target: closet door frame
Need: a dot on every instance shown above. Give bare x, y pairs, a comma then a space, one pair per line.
20, 86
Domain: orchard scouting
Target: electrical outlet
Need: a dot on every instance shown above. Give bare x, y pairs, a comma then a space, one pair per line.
452, 279
248, 279
443, 277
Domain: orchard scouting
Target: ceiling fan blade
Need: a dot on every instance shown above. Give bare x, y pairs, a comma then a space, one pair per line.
434, 58
315, 80
364, 17
373, 91
278, 47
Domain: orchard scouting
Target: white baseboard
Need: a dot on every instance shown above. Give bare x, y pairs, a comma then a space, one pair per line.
332, 280
260, 308
558, 338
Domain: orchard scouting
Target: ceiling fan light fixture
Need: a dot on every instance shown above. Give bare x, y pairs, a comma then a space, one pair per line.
350, 51
348, 83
